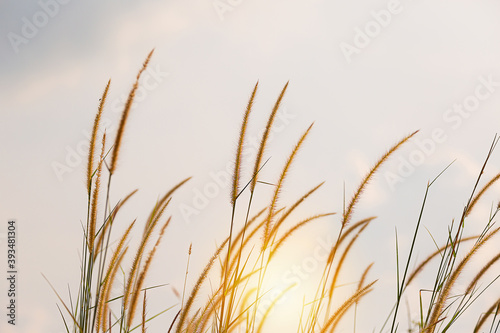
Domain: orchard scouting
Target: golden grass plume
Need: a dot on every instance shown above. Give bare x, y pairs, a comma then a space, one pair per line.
93, 137
125, 114
239, 150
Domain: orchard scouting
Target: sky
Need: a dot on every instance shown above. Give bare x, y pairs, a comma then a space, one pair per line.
367, 73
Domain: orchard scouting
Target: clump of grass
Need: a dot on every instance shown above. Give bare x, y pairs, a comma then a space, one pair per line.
235, 288
238, 285
92, 308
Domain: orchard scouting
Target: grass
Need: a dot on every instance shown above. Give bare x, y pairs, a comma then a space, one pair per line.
238, 270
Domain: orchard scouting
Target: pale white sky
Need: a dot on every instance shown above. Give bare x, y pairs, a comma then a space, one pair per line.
368, 73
